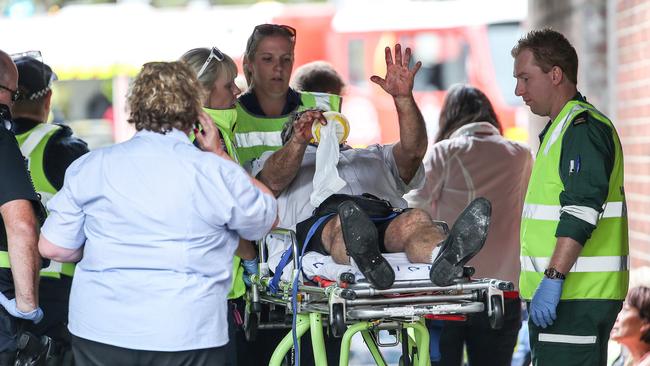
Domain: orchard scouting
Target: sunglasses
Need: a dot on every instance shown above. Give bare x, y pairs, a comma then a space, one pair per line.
214, 54
15, 94
268, 29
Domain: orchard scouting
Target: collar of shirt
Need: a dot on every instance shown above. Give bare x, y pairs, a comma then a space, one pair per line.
174, 134
252, 105
578, 97
23, 124
476, 128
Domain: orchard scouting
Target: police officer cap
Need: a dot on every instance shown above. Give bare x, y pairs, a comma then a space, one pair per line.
34, 77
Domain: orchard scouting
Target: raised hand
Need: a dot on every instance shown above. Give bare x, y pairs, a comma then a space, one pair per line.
399, 78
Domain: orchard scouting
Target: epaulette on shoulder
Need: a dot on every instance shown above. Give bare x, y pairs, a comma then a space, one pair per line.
581, 118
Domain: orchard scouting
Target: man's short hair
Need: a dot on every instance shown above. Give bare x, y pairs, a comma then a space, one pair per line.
34, 78
550, 48
318, 76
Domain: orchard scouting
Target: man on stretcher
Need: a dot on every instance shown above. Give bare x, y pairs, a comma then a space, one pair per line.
352, 224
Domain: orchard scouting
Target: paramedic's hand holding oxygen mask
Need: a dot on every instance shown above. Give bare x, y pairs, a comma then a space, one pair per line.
208, 136
302, 125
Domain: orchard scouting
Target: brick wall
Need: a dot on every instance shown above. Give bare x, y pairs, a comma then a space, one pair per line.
631, 101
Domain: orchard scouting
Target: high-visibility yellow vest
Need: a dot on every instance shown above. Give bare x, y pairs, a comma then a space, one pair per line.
601, 270
32, 144
258, 134
237, 287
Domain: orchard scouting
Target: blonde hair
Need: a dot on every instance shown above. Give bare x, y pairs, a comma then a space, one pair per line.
164, 95
196, 57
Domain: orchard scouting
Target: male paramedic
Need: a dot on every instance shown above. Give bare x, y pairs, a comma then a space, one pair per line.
574, 247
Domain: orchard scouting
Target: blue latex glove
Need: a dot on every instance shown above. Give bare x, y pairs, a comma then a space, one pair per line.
10, 305
544, 303
251, 267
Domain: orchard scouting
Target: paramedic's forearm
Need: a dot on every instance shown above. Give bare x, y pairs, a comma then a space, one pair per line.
22, 235
281, 168
412, 147
565, 254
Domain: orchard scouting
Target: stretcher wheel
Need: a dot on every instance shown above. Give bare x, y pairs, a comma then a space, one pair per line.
496, 319
251, 323
337, 323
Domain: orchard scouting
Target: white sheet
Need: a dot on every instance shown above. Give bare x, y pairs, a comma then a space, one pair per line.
316, 264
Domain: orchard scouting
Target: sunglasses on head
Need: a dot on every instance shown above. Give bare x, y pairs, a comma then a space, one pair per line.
15, 94
268, 29
214, 54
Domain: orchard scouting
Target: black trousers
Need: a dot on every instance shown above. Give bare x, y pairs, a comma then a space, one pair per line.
90, 353
485, 346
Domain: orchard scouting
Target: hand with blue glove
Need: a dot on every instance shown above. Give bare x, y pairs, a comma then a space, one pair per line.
10, 305
251, 267
544, 303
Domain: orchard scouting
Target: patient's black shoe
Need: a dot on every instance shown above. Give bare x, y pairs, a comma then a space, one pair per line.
465, 239
361, 240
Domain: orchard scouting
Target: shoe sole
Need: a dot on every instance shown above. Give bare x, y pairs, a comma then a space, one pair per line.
361, 238
469, 233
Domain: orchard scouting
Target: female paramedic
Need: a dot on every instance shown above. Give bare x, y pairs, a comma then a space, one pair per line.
471, 159
269, 101
155, 223
216, 73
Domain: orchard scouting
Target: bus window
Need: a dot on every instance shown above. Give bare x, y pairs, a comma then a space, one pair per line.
444, 58
502, 38
356, 63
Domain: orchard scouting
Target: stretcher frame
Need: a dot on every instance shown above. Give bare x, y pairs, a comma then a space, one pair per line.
347, 309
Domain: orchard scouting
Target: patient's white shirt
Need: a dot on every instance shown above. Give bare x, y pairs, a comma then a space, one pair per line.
371, 170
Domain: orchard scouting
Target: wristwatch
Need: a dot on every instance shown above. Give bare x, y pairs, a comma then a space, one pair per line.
553, 274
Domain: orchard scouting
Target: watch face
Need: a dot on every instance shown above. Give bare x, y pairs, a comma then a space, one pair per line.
553, 273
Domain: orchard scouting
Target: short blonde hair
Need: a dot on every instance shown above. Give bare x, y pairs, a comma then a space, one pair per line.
196, 57
163, 96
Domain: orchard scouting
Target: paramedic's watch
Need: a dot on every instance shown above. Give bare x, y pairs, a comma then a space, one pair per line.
553, 274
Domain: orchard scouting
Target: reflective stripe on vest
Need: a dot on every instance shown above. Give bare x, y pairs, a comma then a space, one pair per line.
552, 213
250, 139
582, 264
54, 270
601, 270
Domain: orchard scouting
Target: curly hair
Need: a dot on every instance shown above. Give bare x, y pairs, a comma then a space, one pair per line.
639, 298
163, 96
550, 48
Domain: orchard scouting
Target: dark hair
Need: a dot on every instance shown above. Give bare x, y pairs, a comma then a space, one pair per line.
262, 31
318, 76
164, 95
465, 104
550, 48
639, 298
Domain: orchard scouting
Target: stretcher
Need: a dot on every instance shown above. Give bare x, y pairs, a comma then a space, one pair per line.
348, 305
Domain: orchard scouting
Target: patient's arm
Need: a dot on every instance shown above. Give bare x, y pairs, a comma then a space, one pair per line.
281, 168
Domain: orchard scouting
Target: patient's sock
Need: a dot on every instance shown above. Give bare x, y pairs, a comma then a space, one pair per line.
435, 251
